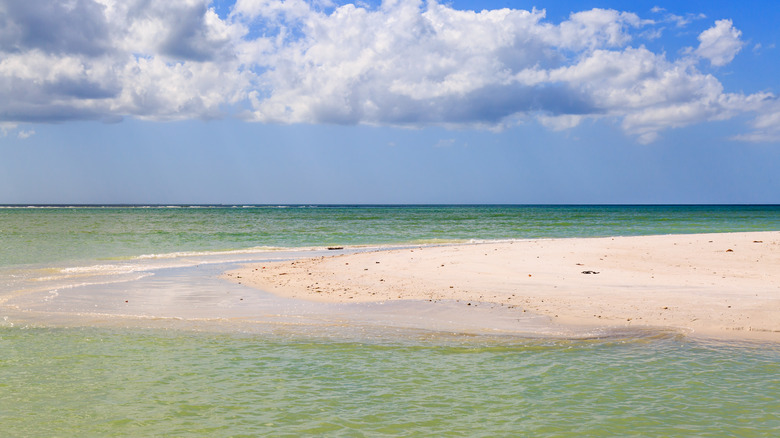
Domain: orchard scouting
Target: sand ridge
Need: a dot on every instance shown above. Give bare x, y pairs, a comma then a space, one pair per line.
722, 285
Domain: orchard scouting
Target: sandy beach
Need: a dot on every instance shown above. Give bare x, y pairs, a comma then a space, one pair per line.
712, 285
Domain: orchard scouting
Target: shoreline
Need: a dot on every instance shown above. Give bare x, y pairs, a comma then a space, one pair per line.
723, 286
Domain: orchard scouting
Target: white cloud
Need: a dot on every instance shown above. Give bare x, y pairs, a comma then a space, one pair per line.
6, 127
76, 26
107, 59
766, 127
25, 134
403, 63
596, 28
649, 92
432, 65
678, 20
445, 143
560, 123
272, 9
720, 43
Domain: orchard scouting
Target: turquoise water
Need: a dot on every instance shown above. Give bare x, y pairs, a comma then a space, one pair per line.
38, 235
113, 322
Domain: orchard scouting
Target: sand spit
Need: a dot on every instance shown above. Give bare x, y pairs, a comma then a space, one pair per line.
713, 285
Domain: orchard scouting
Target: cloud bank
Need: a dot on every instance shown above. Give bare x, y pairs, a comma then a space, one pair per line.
402, 63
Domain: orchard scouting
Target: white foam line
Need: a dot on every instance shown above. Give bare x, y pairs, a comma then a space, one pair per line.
97, 283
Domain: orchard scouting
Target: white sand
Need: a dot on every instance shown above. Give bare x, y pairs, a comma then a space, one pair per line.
718, 285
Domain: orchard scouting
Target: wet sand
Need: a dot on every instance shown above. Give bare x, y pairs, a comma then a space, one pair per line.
710, 285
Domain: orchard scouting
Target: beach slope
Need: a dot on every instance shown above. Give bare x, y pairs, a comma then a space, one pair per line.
714, 285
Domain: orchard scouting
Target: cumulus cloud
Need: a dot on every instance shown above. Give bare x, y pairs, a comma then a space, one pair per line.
402, 63
89, 59
720, 43
54, 27
432, 65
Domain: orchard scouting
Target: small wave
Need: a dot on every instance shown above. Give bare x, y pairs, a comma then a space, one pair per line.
437, 241
501, 240
86, 271
253, 250
54, 292
110, 269
30, 207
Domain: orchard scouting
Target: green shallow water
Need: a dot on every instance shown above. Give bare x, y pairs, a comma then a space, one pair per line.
101, 382
40, 235
337, 379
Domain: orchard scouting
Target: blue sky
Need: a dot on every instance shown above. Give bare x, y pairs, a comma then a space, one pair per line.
262, 101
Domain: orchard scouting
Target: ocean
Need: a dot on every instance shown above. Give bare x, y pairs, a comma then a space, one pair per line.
114, 322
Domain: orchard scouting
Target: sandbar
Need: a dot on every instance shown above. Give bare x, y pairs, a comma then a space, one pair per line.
724, 285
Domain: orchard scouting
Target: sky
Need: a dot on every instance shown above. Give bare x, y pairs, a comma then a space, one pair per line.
391, 102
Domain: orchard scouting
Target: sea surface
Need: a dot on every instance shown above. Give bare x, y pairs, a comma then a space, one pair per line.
114, 321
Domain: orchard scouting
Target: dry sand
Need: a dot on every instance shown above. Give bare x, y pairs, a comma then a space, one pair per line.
713, 285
